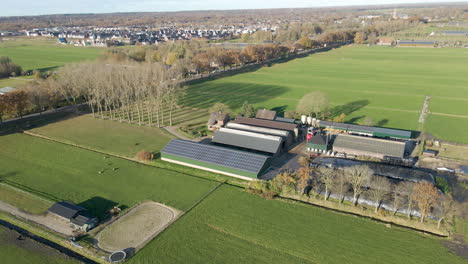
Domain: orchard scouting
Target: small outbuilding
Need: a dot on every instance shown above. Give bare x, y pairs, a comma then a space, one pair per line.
430, 153
266, 114
318, 143
217, 120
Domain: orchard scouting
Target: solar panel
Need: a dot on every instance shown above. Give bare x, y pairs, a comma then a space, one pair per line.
235, 159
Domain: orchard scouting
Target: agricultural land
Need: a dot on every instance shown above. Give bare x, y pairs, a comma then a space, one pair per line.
385, 83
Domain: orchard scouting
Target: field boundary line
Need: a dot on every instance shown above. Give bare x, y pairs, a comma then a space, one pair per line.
449, 115
203, 198
27, 193
117, 156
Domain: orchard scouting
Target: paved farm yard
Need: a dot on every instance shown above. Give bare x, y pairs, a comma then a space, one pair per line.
387, 84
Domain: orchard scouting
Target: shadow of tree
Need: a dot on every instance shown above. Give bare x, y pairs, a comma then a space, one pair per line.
280, 109
232, 94
382, 122
349, 107
355, 120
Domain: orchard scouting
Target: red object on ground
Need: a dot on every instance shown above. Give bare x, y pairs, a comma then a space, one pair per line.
309, 136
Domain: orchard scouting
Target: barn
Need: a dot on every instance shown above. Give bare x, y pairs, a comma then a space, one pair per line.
236, 163
250, 141
416, 43
369, 147
318, 143
290, 127
286, 135
366, 130
78, 216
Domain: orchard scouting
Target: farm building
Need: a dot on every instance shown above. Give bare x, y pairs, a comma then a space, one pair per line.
385, 41
455, 33
370, 147
318, 143
290, 127
366, 130
416, 43
251, 141
217, 120
266, 114
430, 153
285, 120
287, 137
78, 216
235, 163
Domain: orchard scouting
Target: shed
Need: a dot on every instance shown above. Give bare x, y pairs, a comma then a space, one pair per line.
266, 114
366, 146
217, 120
430, 153
85, 221
236, 163
66, 210
249, 140
292, 128
318, 142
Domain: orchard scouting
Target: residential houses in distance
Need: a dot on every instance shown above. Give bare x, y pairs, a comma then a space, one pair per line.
144, 35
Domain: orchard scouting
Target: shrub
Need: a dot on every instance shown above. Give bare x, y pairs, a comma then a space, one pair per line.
144, 156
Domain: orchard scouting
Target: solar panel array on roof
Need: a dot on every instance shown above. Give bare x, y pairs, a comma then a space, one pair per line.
235, 159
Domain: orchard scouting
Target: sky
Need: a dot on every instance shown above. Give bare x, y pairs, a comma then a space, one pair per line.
42, 7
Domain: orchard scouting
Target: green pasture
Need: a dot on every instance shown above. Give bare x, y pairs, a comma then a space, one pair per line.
106, 135
27, 251
96, 181
386, 83
45, 54
23, 200
232, 226
14, 82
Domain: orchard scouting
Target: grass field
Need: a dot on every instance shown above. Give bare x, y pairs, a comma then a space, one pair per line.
232, 226
28, 251
23, 200
45, 54
14, 82
95, 181
105, 135
387, 84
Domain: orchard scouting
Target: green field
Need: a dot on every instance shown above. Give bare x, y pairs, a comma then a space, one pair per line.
387, 84
27, 251
23, 200
62, 172
105, 135
45, 54
232, 226
14, 82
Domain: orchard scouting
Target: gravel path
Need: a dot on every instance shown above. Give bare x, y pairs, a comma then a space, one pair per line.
173, 131
45, 220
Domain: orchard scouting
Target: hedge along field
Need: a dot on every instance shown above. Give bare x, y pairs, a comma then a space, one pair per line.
62, 172
45, 54
106, 135
388, 84
233, 226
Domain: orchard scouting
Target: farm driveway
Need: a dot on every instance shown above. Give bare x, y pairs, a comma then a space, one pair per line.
46, 220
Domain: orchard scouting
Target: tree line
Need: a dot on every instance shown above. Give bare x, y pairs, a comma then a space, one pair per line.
357, 182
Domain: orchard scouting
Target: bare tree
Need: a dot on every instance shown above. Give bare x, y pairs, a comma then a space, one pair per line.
340, 185
358, 177
407, 189
327, 176
379, 188
445, 209
398, 197
426, 195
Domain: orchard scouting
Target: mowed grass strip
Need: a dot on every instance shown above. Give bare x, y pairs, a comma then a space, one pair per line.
45, 54
387, 84
27, 251
232, 226
94, 180
106, 135
23, 200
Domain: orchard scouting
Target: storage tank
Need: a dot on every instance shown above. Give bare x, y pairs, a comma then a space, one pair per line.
303, 119
309, 120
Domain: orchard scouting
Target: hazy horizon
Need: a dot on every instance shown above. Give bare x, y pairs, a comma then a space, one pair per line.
50, 7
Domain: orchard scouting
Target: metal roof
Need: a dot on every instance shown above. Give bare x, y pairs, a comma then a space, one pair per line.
236, 159
248, 140
318, 140
394, 132
264, 130
82, 218
265, 123
416, 42
266, 114
286, 120
66, 209
374, 145
369, 129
